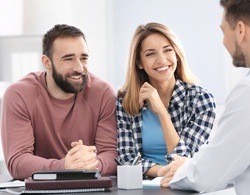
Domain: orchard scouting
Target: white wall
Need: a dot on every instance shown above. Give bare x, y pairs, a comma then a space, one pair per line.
11, 17
109, 26
197, 23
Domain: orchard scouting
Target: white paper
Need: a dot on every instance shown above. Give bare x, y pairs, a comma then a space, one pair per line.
11, 184
154, 182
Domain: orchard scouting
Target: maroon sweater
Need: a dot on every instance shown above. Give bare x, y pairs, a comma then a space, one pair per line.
37, 129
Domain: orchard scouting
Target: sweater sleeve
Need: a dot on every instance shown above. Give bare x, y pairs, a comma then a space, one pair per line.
18, 138
106, 134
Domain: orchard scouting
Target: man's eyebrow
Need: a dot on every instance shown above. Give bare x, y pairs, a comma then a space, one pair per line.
67, 56
71, 55
85, 55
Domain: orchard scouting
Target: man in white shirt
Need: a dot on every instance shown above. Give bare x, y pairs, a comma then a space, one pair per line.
226, 158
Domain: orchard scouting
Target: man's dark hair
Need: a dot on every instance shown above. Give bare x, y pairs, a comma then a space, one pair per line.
59, 31
236, 10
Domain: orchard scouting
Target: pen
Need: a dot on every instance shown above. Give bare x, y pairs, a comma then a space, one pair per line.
118, 162
137, 159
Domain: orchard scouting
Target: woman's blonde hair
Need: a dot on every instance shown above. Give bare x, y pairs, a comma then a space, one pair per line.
136, 77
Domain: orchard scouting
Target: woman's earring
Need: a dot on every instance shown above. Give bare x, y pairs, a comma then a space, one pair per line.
139, 66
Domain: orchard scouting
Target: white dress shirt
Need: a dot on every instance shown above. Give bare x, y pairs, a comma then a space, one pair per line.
227, 156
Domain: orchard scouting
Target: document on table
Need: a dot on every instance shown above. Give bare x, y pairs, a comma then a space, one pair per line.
154, 182
12, 184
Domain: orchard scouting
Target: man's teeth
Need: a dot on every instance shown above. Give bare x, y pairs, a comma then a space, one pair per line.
76, 77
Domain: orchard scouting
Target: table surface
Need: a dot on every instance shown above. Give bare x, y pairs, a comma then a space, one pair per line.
144, 191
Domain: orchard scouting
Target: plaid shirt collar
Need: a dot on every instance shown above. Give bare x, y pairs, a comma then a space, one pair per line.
178, 96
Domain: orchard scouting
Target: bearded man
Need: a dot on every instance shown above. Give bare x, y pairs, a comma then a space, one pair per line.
62, 118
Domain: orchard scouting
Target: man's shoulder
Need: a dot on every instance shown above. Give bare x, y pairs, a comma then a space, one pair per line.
94, 80
95, 83
26, 85
241, 89
98, 92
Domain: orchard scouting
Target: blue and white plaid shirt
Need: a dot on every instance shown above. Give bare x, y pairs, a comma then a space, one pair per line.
192, 111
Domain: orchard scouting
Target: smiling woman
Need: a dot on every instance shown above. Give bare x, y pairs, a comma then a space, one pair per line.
158, 59
160, 111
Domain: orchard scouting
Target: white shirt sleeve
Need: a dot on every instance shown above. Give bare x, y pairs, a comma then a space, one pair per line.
227, 155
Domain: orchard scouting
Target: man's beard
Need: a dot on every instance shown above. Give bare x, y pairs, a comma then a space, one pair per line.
65, 85
238, 57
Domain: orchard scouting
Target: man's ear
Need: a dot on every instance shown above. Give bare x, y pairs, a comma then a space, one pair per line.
240, 31
46, 62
